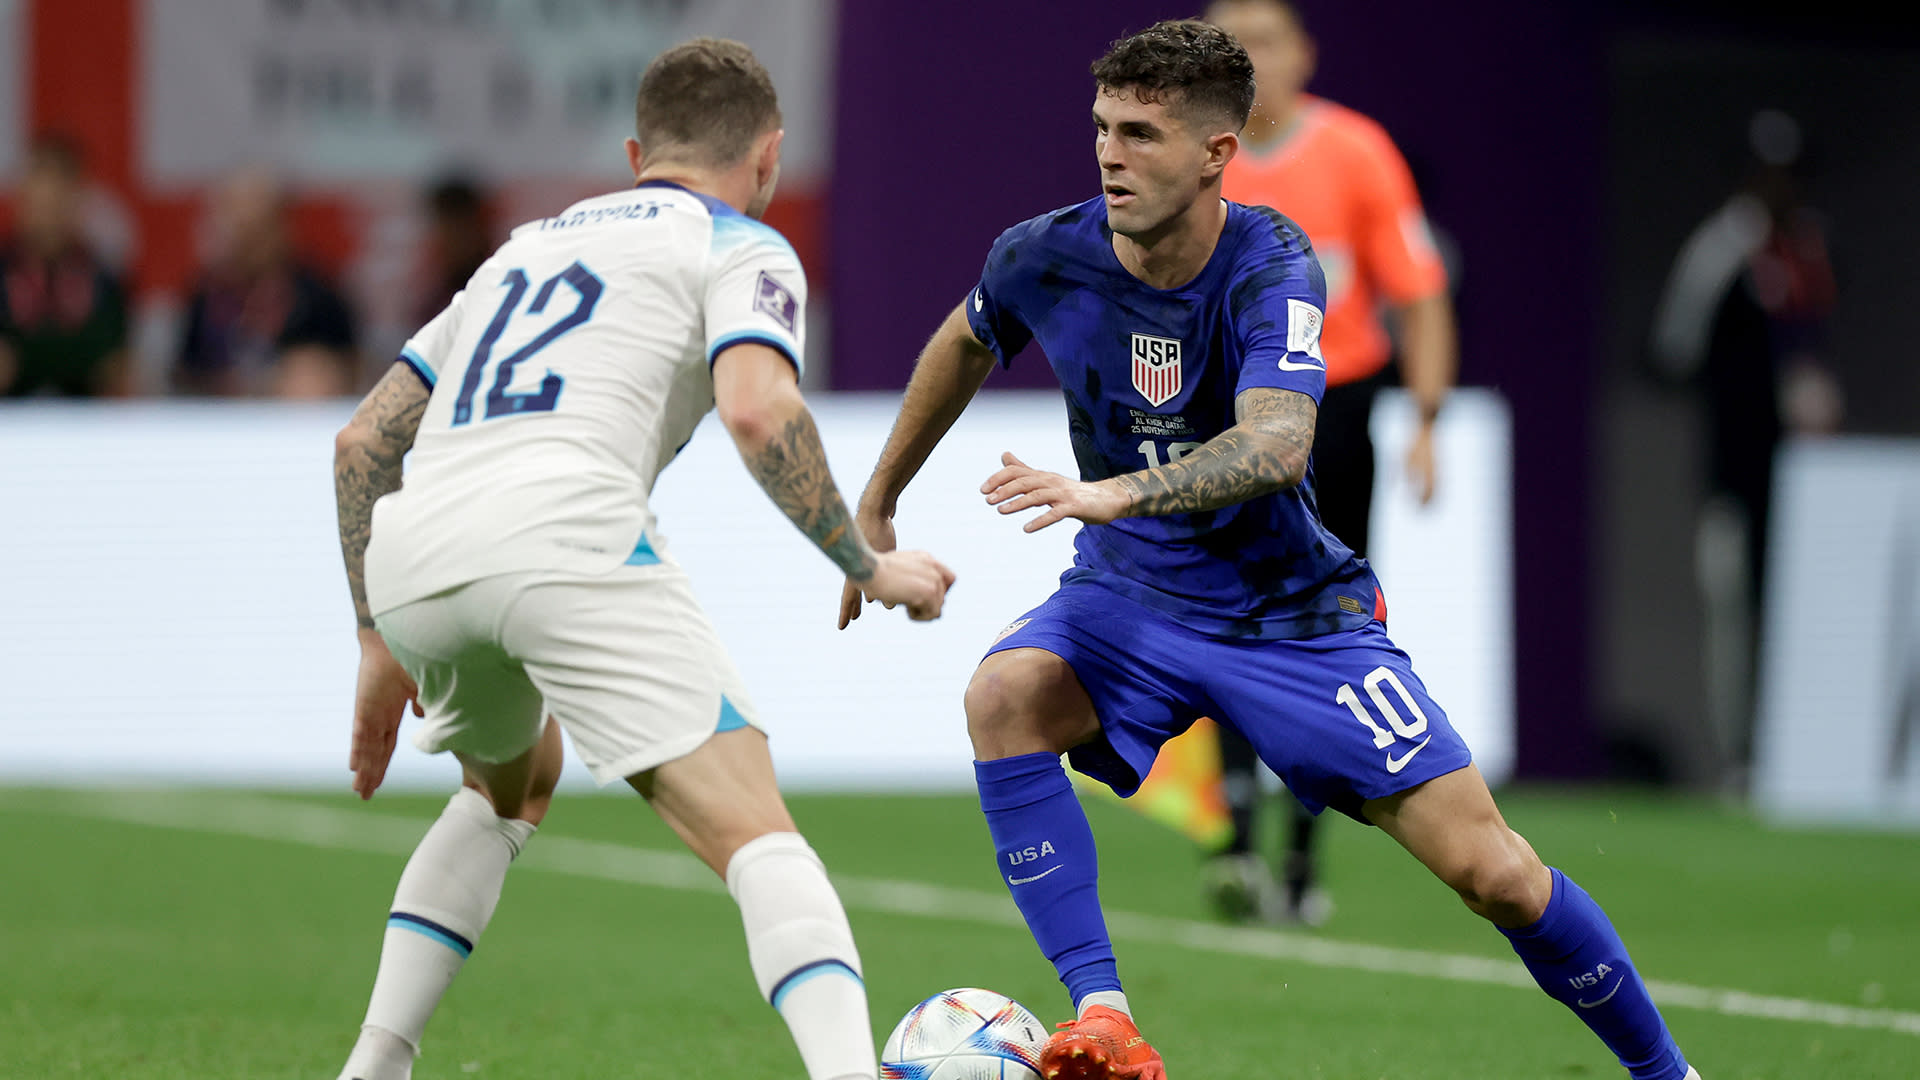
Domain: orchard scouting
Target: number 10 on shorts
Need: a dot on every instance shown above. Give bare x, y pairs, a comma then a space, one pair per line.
1403, 728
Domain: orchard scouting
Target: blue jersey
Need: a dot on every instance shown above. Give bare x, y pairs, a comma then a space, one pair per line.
1149, 375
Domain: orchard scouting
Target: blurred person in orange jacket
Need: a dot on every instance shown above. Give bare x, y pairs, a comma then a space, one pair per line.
1337, 175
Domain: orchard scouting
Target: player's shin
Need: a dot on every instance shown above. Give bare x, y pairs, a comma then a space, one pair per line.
802, 953
445, 898
1578, 959
1046, 856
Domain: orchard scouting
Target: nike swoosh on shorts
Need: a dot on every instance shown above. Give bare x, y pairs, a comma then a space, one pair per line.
1394, 765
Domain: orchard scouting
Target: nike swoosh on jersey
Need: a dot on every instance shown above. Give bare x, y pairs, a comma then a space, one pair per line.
1289, 365
1011, 880
1578, 1001
1394, 764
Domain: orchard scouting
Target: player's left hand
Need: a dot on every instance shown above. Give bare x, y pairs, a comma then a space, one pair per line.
380, 700
1020, 486
1420, 464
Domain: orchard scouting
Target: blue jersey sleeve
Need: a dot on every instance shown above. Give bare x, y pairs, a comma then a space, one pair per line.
992, 308
1278, 307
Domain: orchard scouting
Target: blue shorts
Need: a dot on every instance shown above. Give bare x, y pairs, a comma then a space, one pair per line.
1341, 718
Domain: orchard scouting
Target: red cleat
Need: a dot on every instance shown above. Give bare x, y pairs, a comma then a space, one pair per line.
1102, 1045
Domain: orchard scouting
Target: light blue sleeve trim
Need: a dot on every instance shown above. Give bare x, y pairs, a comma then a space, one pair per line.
783, 346
411, 357
732, 230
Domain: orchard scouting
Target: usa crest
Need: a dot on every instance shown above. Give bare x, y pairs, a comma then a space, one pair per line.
1156, 368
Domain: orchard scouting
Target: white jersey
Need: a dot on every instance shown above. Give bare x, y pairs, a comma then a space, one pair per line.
568, 373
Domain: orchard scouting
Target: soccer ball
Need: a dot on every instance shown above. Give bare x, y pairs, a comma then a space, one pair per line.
965, 1034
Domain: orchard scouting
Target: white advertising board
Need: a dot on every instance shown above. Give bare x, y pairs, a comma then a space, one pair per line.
1838, 738
175, 609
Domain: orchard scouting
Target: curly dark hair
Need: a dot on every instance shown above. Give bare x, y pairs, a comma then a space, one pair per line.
708, 98
1193, 66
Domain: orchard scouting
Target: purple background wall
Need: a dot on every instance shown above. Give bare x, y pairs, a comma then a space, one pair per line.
951, 129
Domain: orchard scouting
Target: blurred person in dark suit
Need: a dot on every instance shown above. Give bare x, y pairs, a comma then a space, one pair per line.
63, 314
1742, 323
459, 238
261, 323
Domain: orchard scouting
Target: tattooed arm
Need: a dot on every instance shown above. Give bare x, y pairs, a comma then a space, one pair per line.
759, 400
1264, 452
366, 465
945, 378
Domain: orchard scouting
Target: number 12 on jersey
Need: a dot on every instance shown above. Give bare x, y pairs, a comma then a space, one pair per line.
499, 401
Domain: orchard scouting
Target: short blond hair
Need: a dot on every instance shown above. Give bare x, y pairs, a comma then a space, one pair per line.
707, 99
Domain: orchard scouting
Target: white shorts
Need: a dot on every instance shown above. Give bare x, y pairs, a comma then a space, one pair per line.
626, 662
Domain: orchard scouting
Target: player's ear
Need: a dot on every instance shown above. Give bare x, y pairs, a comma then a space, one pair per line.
768, 165
635, 155
1221, 149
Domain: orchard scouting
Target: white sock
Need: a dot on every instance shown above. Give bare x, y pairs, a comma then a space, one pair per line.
1112, 999
802, 953
445, 898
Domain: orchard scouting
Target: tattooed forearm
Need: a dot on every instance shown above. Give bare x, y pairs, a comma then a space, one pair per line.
792, 466
1264, 452
366, 465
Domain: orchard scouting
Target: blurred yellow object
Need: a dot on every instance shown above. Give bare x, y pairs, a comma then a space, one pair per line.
1183, 790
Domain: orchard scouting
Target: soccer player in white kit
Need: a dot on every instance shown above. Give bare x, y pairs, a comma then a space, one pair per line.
518, 578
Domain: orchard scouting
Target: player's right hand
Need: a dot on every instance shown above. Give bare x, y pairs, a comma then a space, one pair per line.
879, 533
913, 578
380, 700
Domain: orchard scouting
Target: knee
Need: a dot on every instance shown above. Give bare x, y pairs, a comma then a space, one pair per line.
542, 776
529, 804
532, 809
526, 806
995, 717
1023, 708
1504, 882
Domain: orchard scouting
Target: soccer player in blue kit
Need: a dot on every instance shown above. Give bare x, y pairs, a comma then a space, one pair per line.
1185, 333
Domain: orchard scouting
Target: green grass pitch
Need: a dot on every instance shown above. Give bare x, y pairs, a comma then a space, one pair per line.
194, 950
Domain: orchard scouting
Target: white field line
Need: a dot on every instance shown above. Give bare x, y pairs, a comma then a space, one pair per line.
353, 830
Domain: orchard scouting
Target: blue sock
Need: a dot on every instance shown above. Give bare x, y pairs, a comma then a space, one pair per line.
1578, 959
1046, 856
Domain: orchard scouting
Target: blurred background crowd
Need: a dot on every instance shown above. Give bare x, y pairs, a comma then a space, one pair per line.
266, 314
1680, 235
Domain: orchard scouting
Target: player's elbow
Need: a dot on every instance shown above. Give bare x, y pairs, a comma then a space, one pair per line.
755, 415
751, 422
1293, 470
1286, 467
358, 437
1275, 452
